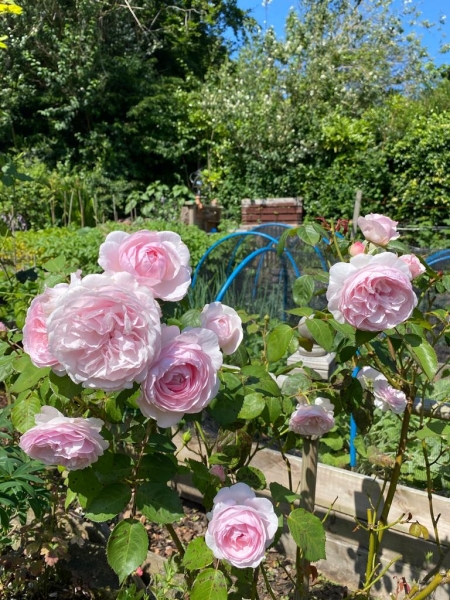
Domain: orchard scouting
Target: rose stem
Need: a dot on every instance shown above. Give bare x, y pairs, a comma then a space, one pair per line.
310, 455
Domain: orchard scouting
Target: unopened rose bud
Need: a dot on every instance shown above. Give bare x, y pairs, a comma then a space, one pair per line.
356, 248
219, 472
187, 437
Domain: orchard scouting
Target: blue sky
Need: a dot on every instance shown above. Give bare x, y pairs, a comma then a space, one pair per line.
432, 10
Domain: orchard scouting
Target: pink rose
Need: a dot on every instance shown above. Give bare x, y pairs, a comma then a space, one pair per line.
158, 260
35, 339
386, 397
226, 324
219, 472
378, 229
313, 419
371, 293
184, 377
74, 443
356, 248
3, 327
241, 526
104, 332
415, 266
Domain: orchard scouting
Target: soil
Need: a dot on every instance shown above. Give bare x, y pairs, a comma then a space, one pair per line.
87, 576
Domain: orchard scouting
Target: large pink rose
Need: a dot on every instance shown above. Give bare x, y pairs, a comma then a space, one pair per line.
386, 397
35, 339
241, 526
371, 293
313, 419
104, 332
158, 260
226, 324
184, 378
416, 268
378, 229
74, 443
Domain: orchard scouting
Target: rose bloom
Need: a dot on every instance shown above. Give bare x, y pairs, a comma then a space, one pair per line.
386, 397
378, 229
241, 526
371, 293
35, 339
313, 419
74, 443
104, 332
226, 324
184, 377
356, 248
415, 266
219, 472
158, 260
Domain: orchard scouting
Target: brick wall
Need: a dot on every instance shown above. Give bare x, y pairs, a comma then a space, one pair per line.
272, 210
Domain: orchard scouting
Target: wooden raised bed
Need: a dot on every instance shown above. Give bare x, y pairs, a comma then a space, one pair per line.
351, 494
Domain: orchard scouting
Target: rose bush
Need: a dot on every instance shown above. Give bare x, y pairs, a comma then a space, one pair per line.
110, 371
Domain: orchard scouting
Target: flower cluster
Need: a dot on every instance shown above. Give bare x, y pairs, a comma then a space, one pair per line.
104, 331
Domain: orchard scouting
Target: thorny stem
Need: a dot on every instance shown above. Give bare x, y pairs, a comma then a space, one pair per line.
429, 589
288, 467
434, 520
201, 436
383, 520
175, 538
267, 582
254, 585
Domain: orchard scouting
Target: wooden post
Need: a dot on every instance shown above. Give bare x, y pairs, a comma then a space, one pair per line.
356, 211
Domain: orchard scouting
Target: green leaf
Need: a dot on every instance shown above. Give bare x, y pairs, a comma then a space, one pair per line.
252, 477
282, 494
159, 503
435, 429
112, 467
6, 366
252, 407
157, 467
55, 265
210, 584
278, 342
322, 333
308, 234
272, 410
191, 318
28, 378
159, 442
84, 482
295, 384
127, 547
424, 354
64, 387
303, 290
109, 502
362, 337
308, 533
24, 411
197, 555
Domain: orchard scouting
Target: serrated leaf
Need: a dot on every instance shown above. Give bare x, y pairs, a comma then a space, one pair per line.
209, 585
64, 387
6, 366
308, 533
23, 413
55, 265
295, 384
303, 290
197, 555
272, 410
424, 354
308, 234
278, 342
159, 503
28, 378
157, 467
434, 429
282, 494
127, 547
109, 502
321, 332
252, 477
252, 407
191, 318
